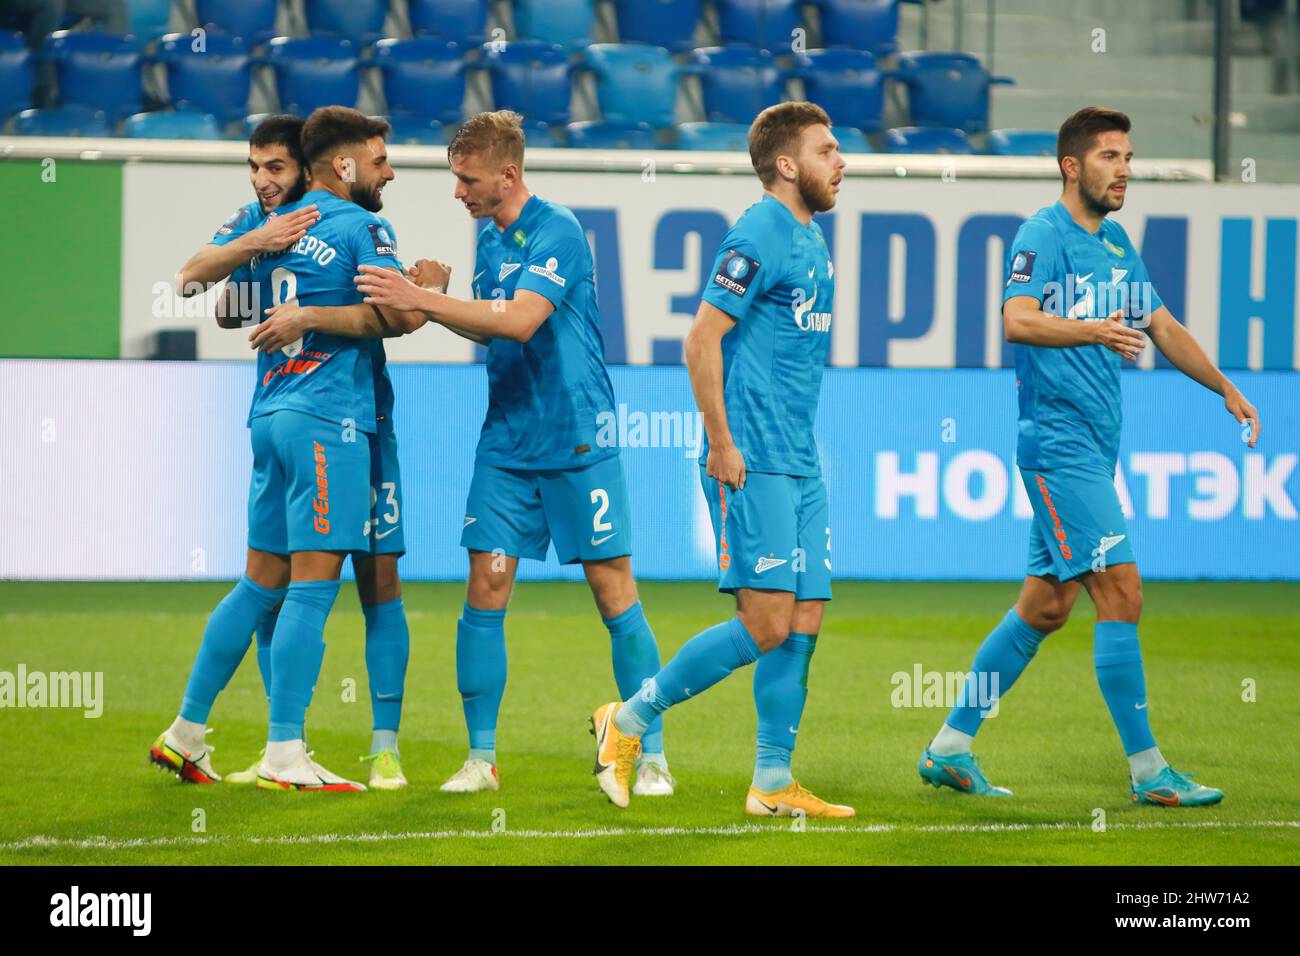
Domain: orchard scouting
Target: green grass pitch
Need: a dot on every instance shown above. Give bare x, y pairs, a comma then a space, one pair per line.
79, 790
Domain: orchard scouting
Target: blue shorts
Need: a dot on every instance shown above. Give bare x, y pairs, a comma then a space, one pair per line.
385, 525
519, 512
310, 489
1078, 522
772, 535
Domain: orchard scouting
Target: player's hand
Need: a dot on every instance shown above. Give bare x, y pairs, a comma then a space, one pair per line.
430, 274
283, 325
383, 286
1118, 337
726, 464
280, 232
1243, 412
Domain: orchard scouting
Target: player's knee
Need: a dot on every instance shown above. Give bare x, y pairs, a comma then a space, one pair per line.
378, 582
1048, 617
767, 630
488, 592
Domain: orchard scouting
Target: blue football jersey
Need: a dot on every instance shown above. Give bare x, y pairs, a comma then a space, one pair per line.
1070, 397
774, 276
546, 396
329, 376
242, 220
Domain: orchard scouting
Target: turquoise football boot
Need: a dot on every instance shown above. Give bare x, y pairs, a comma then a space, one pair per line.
1169, 788
959, 771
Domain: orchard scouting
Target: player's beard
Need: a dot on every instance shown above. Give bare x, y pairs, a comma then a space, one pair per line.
296, 193
817, 194
1095, 193
367, 197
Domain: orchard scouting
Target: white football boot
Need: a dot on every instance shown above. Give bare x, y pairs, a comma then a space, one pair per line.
474, 776
295, 770
191, 760
652, 780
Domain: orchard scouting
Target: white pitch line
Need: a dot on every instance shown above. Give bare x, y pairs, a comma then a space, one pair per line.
747, 829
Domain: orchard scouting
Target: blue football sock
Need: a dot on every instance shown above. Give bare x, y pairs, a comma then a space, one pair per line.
296, 655
703, 661
265, 631
481, 676
225, 641
388, 647
1002, 658
1118, 658
780, 689
636, 660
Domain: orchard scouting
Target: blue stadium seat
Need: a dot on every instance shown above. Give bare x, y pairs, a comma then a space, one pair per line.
567, 23
666, 23
215, 81
168, 124
766, 24
361, 21
64, 121
1022, 142
869, 25
254, 20
98, 70
737, 82
733, 137
532, 79
423, 77
948, 90
312, 72
918, 139
147, 19
612, 136
418, 131
17, 74
460, 21
847, 84
852, 140
634, 83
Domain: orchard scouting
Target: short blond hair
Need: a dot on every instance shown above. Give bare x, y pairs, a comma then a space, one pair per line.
776, 132
496, 135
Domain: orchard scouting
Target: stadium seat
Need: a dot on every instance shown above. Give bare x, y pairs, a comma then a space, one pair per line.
612, 136
666, 23
948, 90
868, 25
766, 24
215, 81
847, 84
100, 70
312, 72
64, 121
17, 74
460, 21
418, 131
733, 137
634, 83
918, 139
532, 79
169, 124
1022, 142
361, 21
852, 140
254, 20
423, 77
147, 19
737, 82
567, 23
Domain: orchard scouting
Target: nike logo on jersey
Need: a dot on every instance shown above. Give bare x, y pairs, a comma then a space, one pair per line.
595, 541
1141, 706
811, 271
468, 521
767, 564
506, 269
477, 276
379, 536
1117, 275
1080, 280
